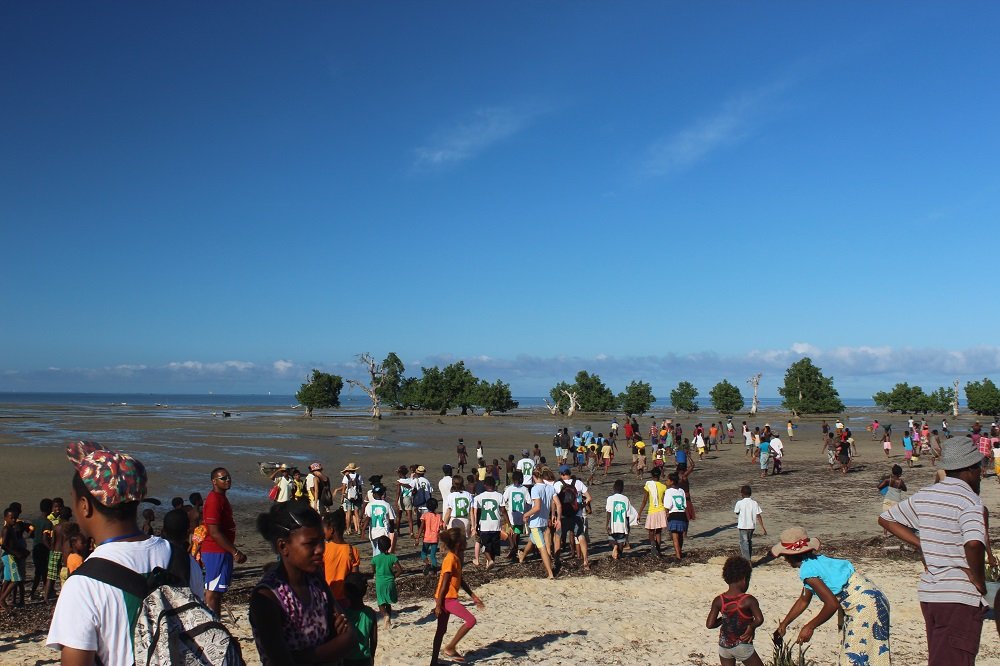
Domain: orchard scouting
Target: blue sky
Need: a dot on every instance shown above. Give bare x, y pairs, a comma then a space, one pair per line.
221, 196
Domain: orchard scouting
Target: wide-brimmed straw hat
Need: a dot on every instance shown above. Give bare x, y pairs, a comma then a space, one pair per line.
351, 467
795, 541
959, 453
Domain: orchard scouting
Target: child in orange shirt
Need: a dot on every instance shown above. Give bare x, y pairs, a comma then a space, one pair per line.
339, 557
446, 595
431, 523
77, 552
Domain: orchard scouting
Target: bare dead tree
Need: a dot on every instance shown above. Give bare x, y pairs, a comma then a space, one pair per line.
553, 407
755, 383
954, 401
377, 374
574, 403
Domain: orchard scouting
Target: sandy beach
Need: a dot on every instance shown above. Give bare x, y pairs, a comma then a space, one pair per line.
609, 616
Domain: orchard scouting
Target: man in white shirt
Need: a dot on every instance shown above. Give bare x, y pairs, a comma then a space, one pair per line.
537, 518
283, 482
444, 485
748, 515
777, 454
573, 522
91, 621
422, 490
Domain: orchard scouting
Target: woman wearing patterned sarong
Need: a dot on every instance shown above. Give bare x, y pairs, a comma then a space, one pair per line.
864, 636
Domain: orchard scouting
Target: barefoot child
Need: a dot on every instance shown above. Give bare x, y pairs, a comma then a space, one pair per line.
675, 500
404, 500
618, 508
656, 518
749, 513
487, 520
386, 567
431, 523
737, 614
364, 620
892, 490
446, 596
339, 557
379, 520
77, 552
517, 500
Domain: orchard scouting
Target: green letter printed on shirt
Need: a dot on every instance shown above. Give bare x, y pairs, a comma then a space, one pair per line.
617, 512
378, 516
488, 510
517, 501
461, 507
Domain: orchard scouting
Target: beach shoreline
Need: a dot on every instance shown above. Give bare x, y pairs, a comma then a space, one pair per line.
180, 453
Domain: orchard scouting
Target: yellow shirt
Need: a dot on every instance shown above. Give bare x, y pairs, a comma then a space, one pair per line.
655, 490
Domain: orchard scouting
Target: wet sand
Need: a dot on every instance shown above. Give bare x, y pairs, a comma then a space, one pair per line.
181, 450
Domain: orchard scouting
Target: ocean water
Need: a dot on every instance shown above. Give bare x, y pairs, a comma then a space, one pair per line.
351, 403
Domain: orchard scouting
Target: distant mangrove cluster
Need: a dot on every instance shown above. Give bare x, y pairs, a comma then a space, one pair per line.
805, 390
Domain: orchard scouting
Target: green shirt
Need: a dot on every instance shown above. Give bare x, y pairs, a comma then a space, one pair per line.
363, 620
383, 564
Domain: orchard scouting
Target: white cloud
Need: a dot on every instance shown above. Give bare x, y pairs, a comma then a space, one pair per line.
471, 136
861, 370
738, 118
211, 368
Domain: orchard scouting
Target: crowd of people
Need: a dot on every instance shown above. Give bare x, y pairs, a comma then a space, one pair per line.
310, 605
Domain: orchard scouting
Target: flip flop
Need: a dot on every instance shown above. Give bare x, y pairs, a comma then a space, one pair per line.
454, 656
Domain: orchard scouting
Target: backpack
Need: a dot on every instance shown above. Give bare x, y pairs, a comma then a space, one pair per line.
421, 492
569, 498
170, 625
353, 490
326, 496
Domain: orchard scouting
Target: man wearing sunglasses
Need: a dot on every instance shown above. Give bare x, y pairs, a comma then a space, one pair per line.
218, 550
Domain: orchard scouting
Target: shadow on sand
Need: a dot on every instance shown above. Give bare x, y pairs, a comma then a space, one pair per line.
501, 648
714, 531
